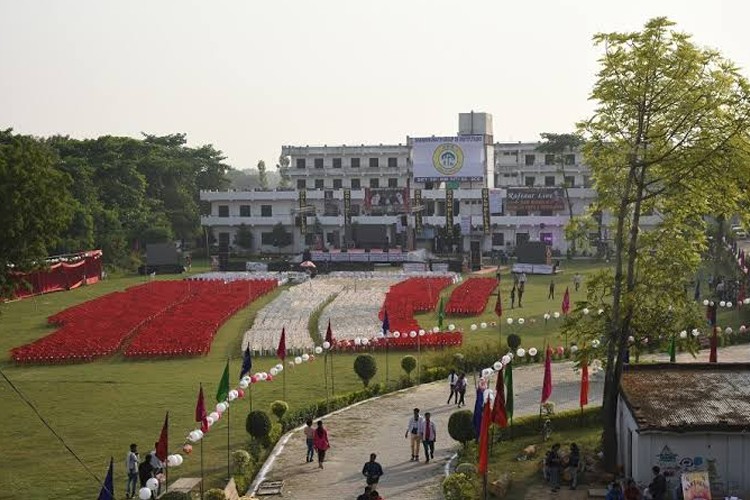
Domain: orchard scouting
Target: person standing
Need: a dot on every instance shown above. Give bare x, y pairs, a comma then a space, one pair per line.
552, 463
309, 436
321, 444
131, 466
520, 293
158, 467
145, 470
461, 389
412, 432
513, 297
574, 460
427, 433
577, 281
658, 486
551, 294
452, 378
372, 471
614, 492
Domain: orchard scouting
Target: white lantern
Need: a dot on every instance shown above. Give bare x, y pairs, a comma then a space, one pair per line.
193, 437
729, 330
546, 316
435, 329
573, 349
683, 334
486, 373
533, 352
326, 345
747, 301
318, 350
221, 408
305, 357
509, 321
358, 341
422, 333
506, 359
244, 384
233, 394
396, 335
521, 352
521, 321
705, 302
585, 310
631, 339
595, 343
695, 332
743, 328
497, 366
365, 341
556, 314
601, 311
215, 415
263, 376
722, 304
179, 459
210, 421
298, 360
144, 493
413, 334
152, 484
473, 327
451, 327
273, 371
172, 460
483, 325
729, 304
290, 363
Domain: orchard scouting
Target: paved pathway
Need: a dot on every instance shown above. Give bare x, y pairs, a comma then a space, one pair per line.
379, 427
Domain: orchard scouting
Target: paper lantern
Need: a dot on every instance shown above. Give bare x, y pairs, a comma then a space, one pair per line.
358, 341
521, 352
188, 449
601, 311
210, 421
305, 357
483, 325
318, 350
273, 371
486, 373
413, 334
509, 321
172, 461
585, 310
280, 367
326, 345
705, 302
421, 333
497, 366
560, 350
243, 384
729, 304
240, 393
365, 341
631, 339
193, 437
743, 328
215, 415
221, 408
533, 352
573, 349
396, 335
683, 334
473, 327
556, 314
270, 377
506, 359
435, 329
144, 493
451, 327
546, 316
253, 379
298, 360
179, 459
695, 332
521, 321
152, 484
729, 330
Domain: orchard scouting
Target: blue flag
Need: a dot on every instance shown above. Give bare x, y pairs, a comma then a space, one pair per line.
247, 362
478, 407
108, 488
386, 324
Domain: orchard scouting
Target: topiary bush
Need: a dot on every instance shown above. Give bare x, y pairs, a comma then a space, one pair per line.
365, 367
279, 408
514, 341
258, 425
215, 494
461, 426
460, 486
408, 364
175, 495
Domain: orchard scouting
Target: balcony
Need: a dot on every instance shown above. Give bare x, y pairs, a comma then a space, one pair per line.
503, 220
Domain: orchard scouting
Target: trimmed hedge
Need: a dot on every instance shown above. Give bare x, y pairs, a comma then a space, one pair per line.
562, 421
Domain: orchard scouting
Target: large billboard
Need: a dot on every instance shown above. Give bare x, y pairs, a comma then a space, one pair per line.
386, 201
438, 159
534, 199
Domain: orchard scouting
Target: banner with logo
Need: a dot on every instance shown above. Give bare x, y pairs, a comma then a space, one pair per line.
303, 214
418, 213
496, 202
386, 201
330, 205
466, 224
449, 208
535, 199
448, 158
486, 210
695, 485
347, 207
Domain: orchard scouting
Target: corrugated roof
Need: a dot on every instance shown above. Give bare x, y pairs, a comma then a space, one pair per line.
688, 397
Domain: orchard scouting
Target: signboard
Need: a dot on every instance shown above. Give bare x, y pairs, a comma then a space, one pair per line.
303, 216
448, 158
418, 215
535, 199
486, 210
496, 202
466, 224
347, 207
449, 208
695, 485
330, 205
386, 201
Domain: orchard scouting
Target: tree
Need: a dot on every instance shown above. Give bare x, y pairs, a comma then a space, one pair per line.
283, 167
668, 137
35, 206
279, 408
280, 236
258, 425
365, 367
243, 238
262, 175
408, 364
461, 426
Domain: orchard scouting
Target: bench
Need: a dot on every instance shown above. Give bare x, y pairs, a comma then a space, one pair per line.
185, 484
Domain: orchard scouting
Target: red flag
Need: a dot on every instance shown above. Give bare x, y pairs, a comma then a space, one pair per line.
566, 301
499, 303
547, 385
484, 437
200, 411
281, 351
162, 446
499, 415
329, 333
584, 399
712, 357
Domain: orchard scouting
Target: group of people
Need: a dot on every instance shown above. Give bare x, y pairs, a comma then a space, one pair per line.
458, 385
317, 441
421, 431
657, 489
554, 465
150, 467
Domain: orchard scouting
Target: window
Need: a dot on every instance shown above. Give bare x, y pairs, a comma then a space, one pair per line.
336, 183
223, 210
374, 163
374, 183
570, 181
529, 180
244, 210
549, 180
318, 162
392, 162
337, 163
530, 159
301, 163
354, 163
266, 238
587, 181
392, 183
570, 159
319, 184
301, 184
498, 239
355, 209
356, 184
549, 159
266, 211
430, 207
440, 208
546, 213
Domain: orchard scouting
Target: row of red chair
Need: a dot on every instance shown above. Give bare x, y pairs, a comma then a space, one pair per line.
470, 297
411, 296
428, 341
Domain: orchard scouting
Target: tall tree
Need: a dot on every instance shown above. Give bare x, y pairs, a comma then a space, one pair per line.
283, 167
669, 137
35, 205
262, 174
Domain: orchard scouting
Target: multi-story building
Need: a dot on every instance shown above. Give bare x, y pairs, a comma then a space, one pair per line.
375, 196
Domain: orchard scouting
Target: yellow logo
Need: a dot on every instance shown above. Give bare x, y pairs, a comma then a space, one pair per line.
448, 158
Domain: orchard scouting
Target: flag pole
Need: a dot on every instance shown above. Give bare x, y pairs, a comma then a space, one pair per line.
325, 378
333, 389
229, 470
283, 380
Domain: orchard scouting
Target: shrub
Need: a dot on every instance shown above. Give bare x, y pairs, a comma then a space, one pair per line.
514, 342
279, 408
460, 486
215, 494
461, 426
241, 460
175, 495
561, 421
365, 367
258, 425
408, 364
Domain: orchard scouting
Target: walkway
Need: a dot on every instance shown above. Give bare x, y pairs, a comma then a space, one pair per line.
378, 426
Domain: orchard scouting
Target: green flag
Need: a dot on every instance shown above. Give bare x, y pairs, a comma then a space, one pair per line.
441, 314
672, 351
223, 393
509, 390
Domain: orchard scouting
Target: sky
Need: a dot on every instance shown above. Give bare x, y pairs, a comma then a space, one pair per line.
249, 76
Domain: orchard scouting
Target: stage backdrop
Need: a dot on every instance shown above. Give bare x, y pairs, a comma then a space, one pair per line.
64, 272
448, 158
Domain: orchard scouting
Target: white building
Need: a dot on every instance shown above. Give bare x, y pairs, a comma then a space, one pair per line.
695, 418
527, 198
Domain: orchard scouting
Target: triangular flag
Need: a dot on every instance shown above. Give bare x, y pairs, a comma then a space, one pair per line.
223, 392
509, 390
566, 301
477, 417
329, 333
499, 416
281, 350
498, 303
672, 350
162, 446
200, 411
108, 487
484, 438
247, 362
547, 384
584, 396
441, 314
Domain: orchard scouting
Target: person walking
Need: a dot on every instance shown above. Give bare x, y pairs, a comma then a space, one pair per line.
372, 471
321, 444
521, 287
551, 294
658, 486
574, 460
428, 432
131, 466
412, 432
309, 438
461, 389
552, 463
452, 378
513, 297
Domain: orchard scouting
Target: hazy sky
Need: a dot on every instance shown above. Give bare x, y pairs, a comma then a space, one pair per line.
251, 75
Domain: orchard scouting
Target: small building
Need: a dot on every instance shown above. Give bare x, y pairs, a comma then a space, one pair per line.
687, 417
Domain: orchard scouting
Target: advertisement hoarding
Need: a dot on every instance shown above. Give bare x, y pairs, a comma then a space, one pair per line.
347, 207
449, 208
535, 199
418, 214
386, 201
438, 159
303, 215
486, 210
